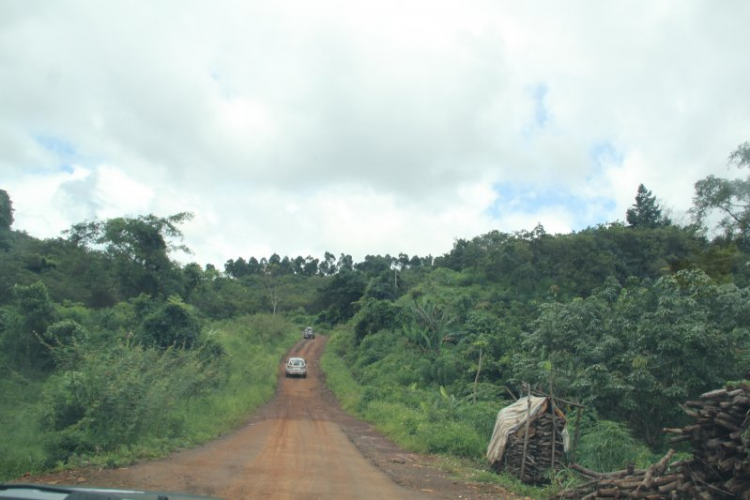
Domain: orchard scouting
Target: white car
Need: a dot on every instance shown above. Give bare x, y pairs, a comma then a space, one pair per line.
296, 367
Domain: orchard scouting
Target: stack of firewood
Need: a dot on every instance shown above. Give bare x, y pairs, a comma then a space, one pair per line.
658, 481
718, 469
538, 449
720, 438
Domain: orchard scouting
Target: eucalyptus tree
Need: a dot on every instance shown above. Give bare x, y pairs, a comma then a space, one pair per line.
328, 264
345, 262
311, 266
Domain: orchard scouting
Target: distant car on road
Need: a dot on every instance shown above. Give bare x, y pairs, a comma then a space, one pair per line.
296, 367
308, 333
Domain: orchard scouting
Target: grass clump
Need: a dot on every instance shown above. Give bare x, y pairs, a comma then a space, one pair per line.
21, 450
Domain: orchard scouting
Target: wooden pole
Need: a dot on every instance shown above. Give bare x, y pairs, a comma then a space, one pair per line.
526, 433
554, 424
554, 431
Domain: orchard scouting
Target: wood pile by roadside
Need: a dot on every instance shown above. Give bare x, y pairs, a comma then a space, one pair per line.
540, 451
529, 439
719, 468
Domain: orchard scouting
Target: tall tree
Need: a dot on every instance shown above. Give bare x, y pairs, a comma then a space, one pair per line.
730, 197
298, 265
646, 211
138, 247
311, 266
253, 266
285, 267
327, 266
6, 210
345, 263
339, 297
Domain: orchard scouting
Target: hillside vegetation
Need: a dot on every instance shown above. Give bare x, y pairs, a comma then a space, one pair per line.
111, 351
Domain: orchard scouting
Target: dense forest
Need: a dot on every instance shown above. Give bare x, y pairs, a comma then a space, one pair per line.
108, 346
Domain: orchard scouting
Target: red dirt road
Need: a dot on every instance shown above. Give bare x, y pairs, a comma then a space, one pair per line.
300, 445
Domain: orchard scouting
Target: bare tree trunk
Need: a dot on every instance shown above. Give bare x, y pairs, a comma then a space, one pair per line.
273, 293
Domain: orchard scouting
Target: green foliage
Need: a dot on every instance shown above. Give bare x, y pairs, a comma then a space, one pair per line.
138, 249
104, 399
608, 446
636, 352
729, 197
375, 315
413, 429
65, 333
173, 324
338, 377
21, 450
24, 328
338, 297
35, 307
430, 326
6, 211
385, 390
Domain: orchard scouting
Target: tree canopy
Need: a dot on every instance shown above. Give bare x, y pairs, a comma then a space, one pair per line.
729, 197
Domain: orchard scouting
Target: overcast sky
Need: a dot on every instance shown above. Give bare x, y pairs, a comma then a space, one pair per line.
364, 127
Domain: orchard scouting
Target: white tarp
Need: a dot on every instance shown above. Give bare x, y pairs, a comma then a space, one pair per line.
509, 420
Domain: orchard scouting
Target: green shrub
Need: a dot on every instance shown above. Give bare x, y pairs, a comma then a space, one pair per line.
21, 449
119, 395
174, 323
608, 446
451, 438
65, 332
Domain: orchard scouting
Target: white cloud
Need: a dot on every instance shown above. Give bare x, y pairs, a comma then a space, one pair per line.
303, 127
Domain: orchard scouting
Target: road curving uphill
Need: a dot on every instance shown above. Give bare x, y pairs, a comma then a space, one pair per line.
300, 445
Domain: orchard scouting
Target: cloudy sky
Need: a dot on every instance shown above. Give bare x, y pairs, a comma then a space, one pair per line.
300, 127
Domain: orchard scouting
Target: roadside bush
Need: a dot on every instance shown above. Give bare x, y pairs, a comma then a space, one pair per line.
607, 446
399, 423
20, 448
117, 396
451, 438
174, 323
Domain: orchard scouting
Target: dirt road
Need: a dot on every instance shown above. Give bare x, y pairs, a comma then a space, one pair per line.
300, 445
